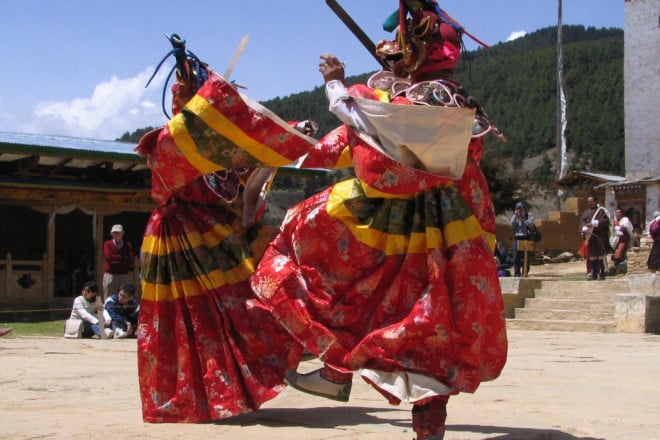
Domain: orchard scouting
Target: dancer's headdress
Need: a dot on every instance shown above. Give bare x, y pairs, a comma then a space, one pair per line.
428, 39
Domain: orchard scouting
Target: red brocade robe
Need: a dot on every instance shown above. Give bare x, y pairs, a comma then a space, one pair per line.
391, 272
207, 349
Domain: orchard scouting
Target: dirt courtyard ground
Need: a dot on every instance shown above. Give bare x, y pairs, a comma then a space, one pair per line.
556, 385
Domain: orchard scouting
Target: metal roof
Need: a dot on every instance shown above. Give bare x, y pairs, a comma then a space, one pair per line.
66, 146
644, 181
574, 176
26, 156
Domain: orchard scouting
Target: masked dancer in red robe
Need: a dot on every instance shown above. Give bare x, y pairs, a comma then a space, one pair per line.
391, 272
206, 349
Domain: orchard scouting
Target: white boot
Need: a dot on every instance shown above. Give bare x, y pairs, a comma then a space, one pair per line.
120, 334
109, 333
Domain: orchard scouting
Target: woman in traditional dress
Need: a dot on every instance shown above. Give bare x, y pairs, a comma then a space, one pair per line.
392, 272
621, 241
206, 351
653, 262
595, 230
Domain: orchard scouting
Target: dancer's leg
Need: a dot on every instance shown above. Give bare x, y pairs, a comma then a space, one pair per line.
429, 419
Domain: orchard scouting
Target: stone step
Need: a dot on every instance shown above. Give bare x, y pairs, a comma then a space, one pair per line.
586, 284
591, 286
569, 304
560, 325
603, 295
566, 305
567, 315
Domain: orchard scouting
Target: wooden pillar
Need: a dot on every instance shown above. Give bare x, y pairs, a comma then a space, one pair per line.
50, 256
526, 246
44, 276
98, 257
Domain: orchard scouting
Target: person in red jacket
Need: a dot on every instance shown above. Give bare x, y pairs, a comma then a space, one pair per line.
118, 261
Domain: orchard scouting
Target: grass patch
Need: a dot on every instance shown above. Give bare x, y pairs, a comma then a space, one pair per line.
39, 328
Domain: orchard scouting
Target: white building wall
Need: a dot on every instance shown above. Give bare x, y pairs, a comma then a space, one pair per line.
642, 88
641, 96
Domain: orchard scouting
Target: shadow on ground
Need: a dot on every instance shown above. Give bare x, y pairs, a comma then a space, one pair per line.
512, 433
333, 417
320, 417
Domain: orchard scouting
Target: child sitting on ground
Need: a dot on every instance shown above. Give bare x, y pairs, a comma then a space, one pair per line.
83, 313
122, 310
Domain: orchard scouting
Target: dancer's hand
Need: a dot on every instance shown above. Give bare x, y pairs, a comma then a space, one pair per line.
331, 68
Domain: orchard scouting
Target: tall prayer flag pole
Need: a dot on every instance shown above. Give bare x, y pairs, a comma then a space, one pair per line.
562, 120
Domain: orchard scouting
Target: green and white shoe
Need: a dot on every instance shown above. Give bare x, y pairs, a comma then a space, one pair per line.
313, 383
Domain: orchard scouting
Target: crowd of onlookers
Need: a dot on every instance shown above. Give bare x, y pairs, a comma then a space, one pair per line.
116, 317
605, 241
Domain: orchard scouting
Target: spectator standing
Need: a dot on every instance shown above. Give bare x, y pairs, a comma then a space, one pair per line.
653, 262
522, 223
118, 261
85, 308
596, 232
637, 236
123, 310
620, 241
502, 259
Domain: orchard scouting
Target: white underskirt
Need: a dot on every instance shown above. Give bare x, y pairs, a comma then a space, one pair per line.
406, 386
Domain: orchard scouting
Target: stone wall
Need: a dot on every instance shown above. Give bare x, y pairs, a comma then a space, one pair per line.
560, 231
638, 256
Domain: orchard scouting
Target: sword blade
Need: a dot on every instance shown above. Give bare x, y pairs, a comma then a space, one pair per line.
237, 55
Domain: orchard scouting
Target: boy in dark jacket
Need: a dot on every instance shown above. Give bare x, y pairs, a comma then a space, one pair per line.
122, 309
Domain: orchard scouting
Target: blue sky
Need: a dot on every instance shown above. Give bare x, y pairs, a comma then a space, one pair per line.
78, 67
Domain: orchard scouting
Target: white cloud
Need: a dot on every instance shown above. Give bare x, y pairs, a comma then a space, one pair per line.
7, 118
115, 107
516, 34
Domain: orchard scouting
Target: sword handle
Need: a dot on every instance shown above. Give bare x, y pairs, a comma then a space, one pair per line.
357, 31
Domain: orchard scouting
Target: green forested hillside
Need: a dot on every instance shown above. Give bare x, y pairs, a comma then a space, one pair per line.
516, 82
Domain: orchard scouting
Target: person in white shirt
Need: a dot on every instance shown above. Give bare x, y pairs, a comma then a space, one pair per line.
85, 308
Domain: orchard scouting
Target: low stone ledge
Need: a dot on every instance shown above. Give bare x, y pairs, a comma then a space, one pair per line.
648, 284
514, 292
637, 313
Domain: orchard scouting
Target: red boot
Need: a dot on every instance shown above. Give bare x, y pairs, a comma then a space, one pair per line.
429, 419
